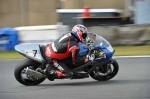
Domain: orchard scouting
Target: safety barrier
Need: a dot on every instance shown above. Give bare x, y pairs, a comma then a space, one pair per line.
8, 39
124, 35
40, 34
116, 35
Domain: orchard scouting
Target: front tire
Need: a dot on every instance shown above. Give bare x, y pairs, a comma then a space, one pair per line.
20, 67
109, 76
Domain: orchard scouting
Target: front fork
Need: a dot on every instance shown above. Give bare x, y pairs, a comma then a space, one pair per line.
103, 72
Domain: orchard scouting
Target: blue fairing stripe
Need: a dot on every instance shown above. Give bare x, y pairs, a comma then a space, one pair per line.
108, 53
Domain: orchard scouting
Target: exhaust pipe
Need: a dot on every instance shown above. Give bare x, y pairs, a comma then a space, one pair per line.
34, 73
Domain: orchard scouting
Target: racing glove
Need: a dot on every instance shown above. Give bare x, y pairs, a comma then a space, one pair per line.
89, 58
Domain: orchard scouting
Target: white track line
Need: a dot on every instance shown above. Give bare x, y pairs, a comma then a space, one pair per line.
143, 56
132, 56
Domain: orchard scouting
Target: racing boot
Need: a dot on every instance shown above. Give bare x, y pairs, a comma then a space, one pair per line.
50, 72
64, 71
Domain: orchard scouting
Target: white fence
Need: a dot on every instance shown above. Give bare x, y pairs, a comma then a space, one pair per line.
40, 34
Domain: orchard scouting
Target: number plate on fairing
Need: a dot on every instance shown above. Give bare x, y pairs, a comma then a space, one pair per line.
33, 53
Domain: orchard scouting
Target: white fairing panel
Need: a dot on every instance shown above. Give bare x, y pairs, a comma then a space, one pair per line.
30, 50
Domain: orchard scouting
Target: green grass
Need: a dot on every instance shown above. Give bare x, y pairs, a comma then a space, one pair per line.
119, 51
132, 50
10, 55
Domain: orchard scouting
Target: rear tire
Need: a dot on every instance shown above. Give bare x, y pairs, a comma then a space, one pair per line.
19, 68
110, 76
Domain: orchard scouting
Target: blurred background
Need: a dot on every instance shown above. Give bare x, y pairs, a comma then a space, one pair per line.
16, 13
121, 22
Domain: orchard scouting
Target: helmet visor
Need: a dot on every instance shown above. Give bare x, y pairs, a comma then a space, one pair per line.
84, 35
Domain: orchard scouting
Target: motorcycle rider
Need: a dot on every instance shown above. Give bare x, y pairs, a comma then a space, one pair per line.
63, 47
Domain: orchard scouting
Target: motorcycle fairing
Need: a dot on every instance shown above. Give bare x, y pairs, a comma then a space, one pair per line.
31, 51
102, 44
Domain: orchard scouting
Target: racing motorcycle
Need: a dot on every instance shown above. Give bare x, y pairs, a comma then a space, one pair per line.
101, 67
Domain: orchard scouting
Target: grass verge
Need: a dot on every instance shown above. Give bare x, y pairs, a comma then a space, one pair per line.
119, 51
132, 50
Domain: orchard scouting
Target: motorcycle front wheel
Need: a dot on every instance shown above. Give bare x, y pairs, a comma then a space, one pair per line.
108, 73
22, 77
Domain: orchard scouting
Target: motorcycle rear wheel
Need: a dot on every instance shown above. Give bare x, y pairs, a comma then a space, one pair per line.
107, 77
18, 72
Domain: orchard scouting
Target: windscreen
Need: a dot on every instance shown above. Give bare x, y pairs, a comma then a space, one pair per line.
100, 41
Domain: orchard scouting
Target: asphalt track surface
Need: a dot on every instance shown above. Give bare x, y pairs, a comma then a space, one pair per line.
131, 82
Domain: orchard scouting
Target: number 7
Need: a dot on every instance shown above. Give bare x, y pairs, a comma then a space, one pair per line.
34, 52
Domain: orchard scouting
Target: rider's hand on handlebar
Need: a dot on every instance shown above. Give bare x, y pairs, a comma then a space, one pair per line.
89, 40
91, 57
